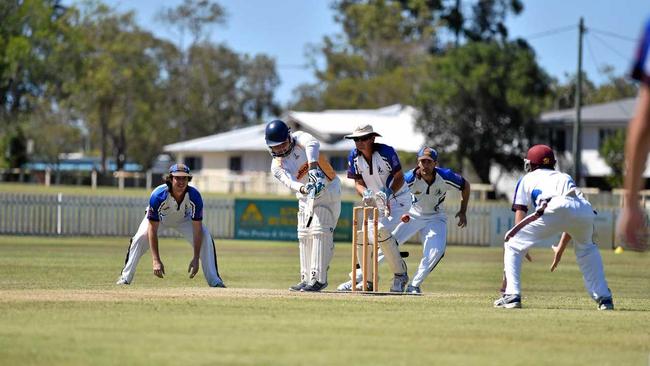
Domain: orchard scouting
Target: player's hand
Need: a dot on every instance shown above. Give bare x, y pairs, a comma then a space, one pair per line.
158, 268
557, 256
193, 268
631, 225
462, 219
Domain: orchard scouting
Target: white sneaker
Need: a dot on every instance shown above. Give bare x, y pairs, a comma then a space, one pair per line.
399, 282
360, 286
345, 286
121, 281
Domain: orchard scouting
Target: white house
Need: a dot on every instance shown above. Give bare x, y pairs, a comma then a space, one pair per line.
238, 160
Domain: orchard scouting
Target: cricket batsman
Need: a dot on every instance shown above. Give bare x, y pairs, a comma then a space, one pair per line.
178, 206
298, 164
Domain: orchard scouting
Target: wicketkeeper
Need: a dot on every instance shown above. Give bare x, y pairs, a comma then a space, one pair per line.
379, 180
178, 206
298, 164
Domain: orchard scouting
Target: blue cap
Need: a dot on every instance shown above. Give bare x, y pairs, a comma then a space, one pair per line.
179, 170
428, 153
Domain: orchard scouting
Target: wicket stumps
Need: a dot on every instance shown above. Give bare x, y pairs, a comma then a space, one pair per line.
369, 214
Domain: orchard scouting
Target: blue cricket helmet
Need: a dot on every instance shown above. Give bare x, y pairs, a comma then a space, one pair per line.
277, 132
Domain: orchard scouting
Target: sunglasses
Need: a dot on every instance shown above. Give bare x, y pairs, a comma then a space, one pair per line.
362, 138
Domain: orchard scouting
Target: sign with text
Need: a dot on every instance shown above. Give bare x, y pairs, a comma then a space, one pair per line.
278, 219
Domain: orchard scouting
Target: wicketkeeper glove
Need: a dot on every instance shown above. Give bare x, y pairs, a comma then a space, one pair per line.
368, 197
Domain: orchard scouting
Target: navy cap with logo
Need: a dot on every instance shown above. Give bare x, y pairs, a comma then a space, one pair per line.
428, 153
179, 170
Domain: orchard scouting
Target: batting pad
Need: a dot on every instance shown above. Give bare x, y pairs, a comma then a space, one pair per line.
391, 253
304, 247
321, 255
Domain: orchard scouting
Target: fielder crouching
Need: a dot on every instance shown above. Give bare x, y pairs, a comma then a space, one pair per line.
298, 164
174, 205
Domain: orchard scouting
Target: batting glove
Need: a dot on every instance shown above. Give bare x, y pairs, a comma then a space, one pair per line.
317, 179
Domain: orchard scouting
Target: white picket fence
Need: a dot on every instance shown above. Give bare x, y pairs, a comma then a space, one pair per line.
36, 214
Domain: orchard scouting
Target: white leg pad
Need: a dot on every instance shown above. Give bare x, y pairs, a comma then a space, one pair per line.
304, 247
322, 235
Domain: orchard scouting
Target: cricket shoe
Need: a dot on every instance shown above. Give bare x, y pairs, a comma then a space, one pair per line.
359, 286
399, 282
508, 302
121, 281
314, 286
298, 286
345, 286
413, 289
606, 304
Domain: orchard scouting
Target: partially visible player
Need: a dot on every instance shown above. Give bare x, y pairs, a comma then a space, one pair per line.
558, 207
378, 177
179, 206
429, 185
298, 164
637, 145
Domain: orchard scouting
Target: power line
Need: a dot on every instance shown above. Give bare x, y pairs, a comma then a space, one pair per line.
623, 57
602, 74
550, 32
615, 35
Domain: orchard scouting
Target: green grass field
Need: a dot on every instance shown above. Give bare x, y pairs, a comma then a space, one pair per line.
59, 306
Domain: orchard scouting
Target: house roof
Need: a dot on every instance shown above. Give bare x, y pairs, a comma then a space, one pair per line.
395, 123
617, 112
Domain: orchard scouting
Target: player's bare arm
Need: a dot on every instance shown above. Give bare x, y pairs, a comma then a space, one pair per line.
520, 215
558, 250
360, 186
464, 200
157, 264
197, 231
636, 151
398, 181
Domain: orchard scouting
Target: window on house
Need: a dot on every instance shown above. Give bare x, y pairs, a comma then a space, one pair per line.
194, 162
604, 134
339, 163
558, 140
235, 164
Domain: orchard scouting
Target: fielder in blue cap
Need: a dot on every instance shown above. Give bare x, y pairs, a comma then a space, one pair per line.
429, 185
179, 206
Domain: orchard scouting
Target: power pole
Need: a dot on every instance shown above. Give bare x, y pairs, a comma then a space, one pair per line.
577, 129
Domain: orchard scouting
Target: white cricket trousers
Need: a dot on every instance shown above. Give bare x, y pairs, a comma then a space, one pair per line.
140, 244
563, 214
433, 232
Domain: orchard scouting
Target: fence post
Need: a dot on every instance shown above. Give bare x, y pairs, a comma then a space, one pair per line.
93, 179
48, 176
59, 218
149, 179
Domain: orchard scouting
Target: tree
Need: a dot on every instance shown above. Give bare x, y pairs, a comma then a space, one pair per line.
613, 152
480, 100
37, 55
212, 88
380, 56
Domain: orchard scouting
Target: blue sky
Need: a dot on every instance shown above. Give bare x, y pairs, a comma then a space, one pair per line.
283, 28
